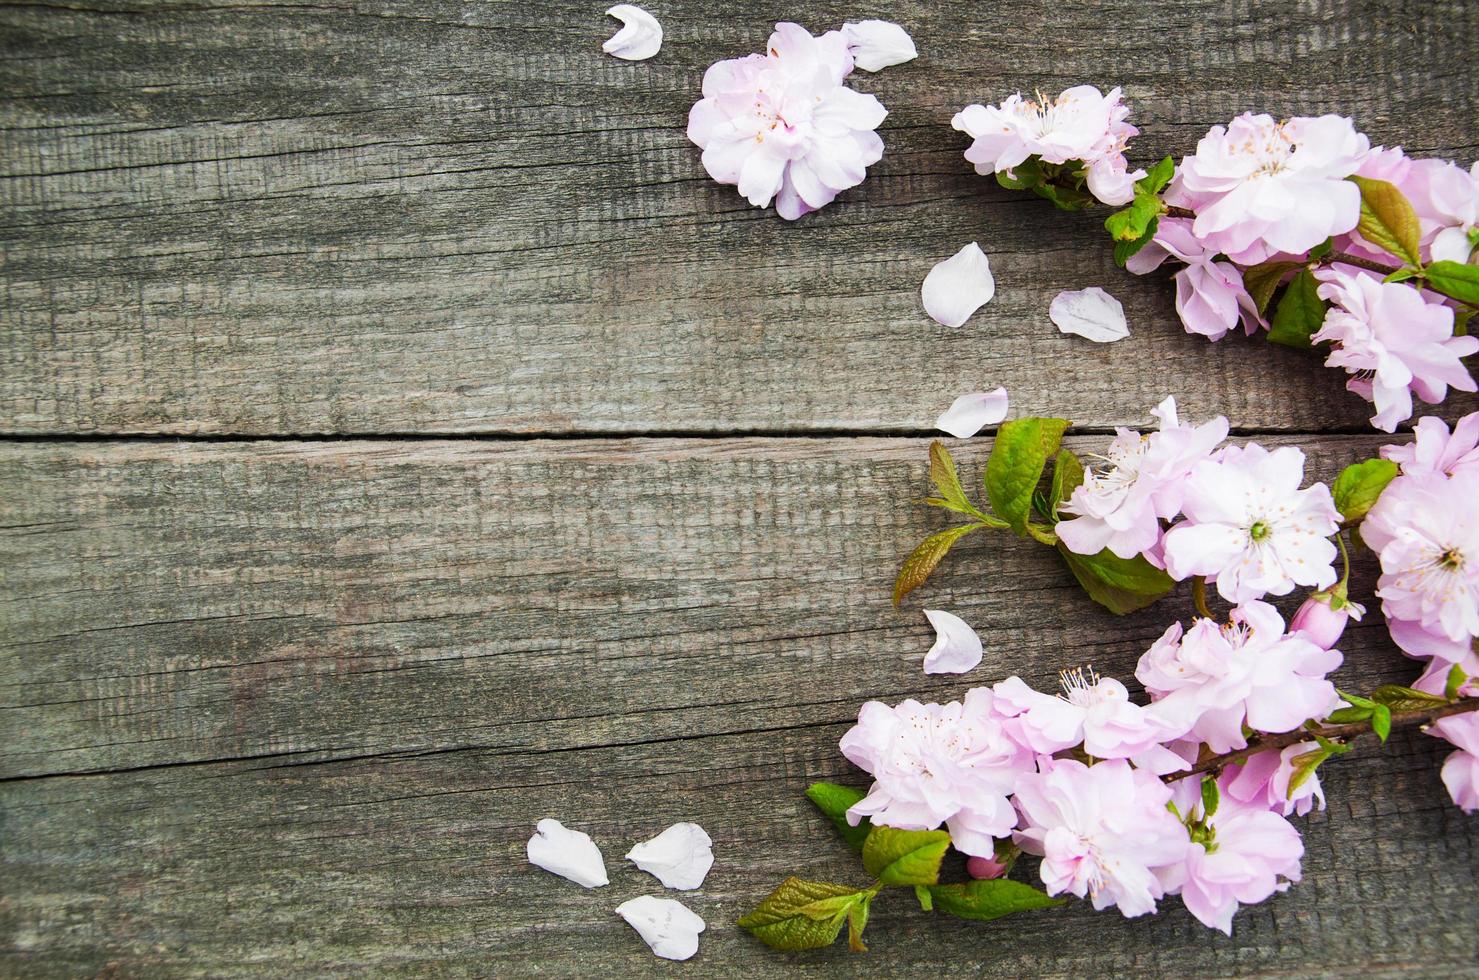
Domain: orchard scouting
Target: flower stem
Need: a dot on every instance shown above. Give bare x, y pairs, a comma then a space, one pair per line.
1355, 729
1199, 596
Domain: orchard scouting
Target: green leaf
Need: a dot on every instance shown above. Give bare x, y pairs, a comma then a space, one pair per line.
1357, 700
1455, 279
1156, 179
835, 801
1121, 585
922, 560
1024, 176
1299, 313
1345, 716
1400, 698
946, 481
1123, 250
905, 857
1068, 476
1018, 455
801, 914
1381, 721
984, 900
857, 921
1306, 764
1356, 489
1262, 280
1210, 795
1388, 220
1403, 274
1455, 682
926, 900
1320, 251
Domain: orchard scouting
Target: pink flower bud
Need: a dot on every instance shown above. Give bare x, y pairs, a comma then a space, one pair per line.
979, 867
1319, 621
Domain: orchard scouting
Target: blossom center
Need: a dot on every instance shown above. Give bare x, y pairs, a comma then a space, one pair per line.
1259, 530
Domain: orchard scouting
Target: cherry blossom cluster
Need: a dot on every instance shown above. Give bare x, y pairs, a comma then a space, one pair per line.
1299, 227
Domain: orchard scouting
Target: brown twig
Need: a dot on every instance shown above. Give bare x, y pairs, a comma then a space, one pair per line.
1264, 743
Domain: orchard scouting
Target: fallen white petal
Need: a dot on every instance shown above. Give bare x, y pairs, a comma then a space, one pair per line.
957, 648
958, 286
679, 857
971, 413
667, 926
878, 44
640, 36
568, 853
1090, 313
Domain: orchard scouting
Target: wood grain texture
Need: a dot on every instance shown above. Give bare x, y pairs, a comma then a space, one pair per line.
435, 216
293, 708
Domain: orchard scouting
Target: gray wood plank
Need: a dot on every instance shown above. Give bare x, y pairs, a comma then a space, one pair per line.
293, 708
425, 215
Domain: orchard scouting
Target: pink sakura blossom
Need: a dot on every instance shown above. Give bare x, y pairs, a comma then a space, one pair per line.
1120, 506
1093, 711
1263, 779
984, 867
1103, 832
1323, 617
1426, 531
1250, 526
1461, 769
937, 764
782, 125
1393, 341
1082, 124
1210, 298
1446, 198
1435, 450
1260, 186
1214, 679
1249, 853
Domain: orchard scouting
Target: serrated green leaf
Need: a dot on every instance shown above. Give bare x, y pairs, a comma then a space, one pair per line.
1263, 279
801, 914
1304, 767
1356, 488
857, 921
987, 899
1403, 274
1399, 698
1345, 716
1210, 795
1454, 279
1157, 177
834, 801
1454, 683
1381, 721
1121, 585
1018, 455
1388, 220
1299, 314
1024, 176
1124, 250
905, 857
1357, 700
1068, 476
923, 559
946, 481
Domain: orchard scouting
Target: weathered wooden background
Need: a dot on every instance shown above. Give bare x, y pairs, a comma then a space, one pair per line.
403, 440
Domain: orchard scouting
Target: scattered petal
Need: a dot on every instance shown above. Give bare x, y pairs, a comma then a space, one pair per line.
971, 413
878, 44
958, 286
679, 857
667, 926
1091, 313
640, 36
957, 648
567, 853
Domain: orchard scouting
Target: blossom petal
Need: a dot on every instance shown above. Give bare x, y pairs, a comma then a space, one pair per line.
878, 44
1091, 313
969, 414
957, 648
679, 857
958, 287
567, 853
666, 926
640, 36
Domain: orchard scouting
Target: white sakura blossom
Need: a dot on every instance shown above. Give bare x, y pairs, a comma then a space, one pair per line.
567, 853
957, 648
640, 36
1250, 526
971, 413
666, 925
782, 126
878, 44
679, 857
1091, 313
958, 286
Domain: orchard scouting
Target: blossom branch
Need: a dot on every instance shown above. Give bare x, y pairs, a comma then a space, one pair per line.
1264, 743
1345, 258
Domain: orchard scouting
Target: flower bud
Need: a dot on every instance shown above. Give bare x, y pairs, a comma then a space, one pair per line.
1322, 619
979, 867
